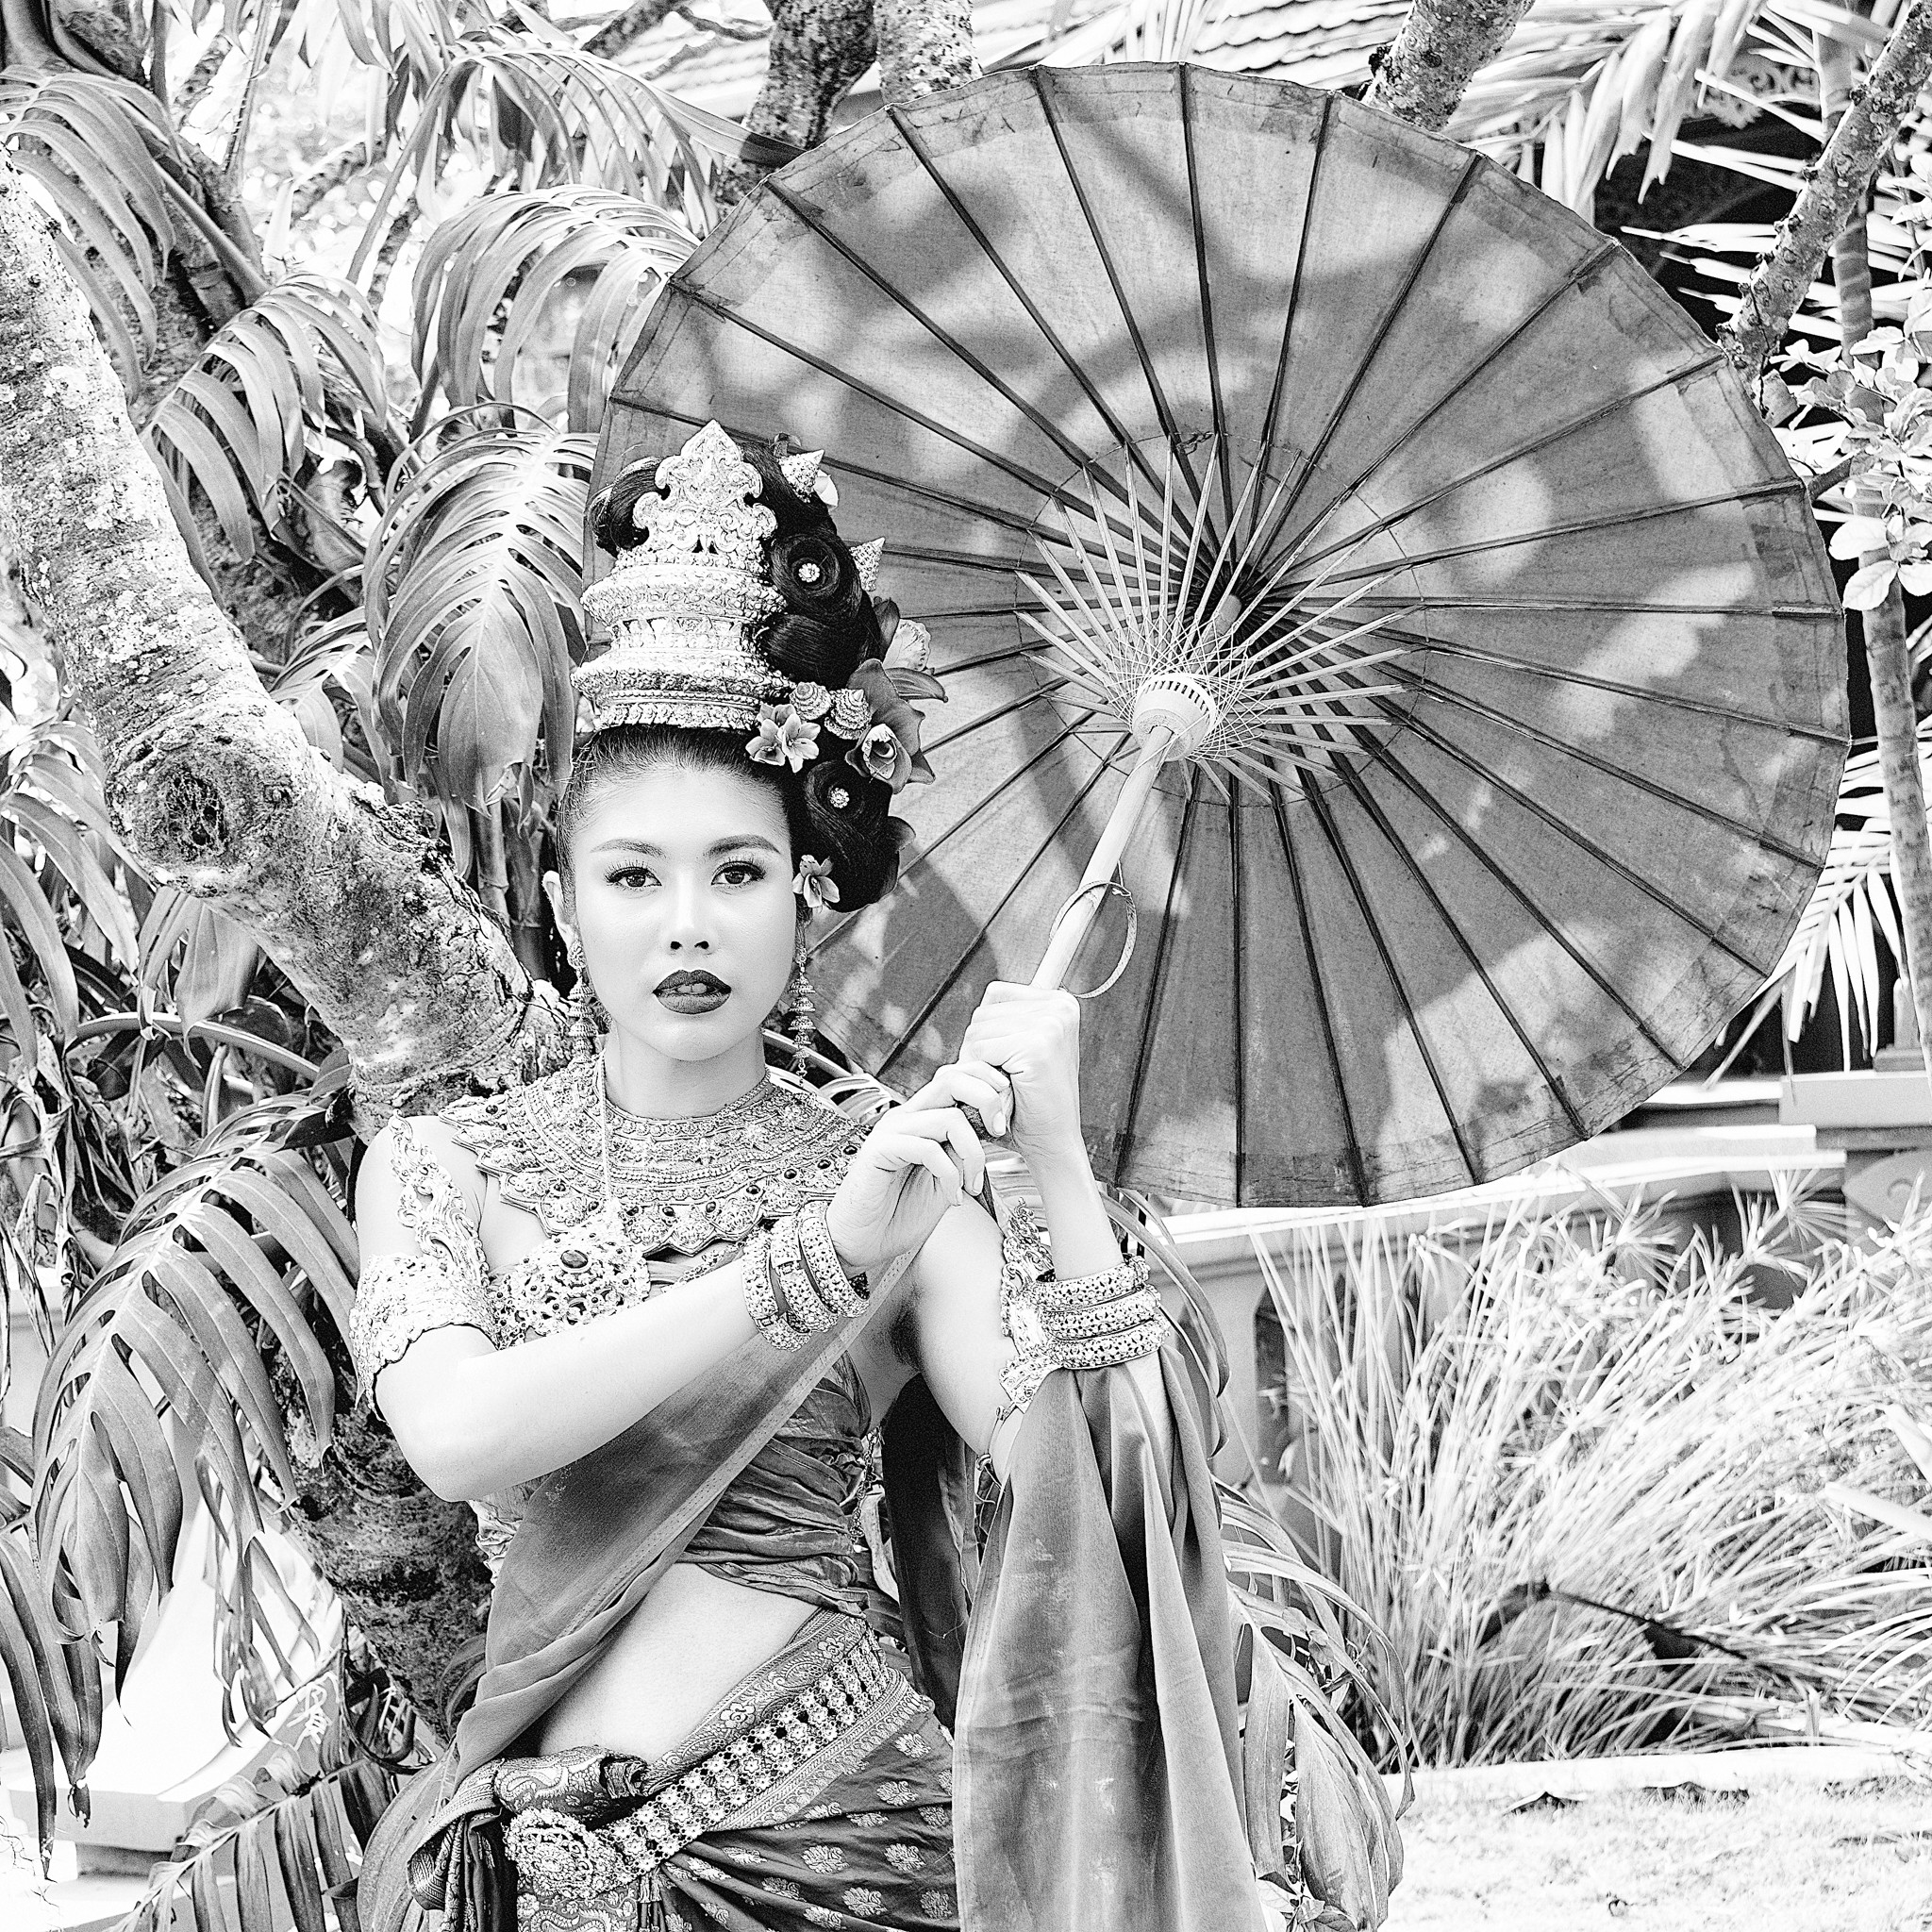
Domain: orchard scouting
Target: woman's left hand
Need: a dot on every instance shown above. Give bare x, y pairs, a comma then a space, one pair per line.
1032, 1034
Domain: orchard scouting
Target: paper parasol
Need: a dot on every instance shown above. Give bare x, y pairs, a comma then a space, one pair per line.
1530, 659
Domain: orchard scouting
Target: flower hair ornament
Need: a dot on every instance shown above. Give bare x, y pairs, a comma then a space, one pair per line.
734, 604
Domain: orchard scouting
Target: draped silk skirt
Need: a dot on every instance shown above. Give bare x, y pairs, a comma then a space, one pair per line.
818, 1792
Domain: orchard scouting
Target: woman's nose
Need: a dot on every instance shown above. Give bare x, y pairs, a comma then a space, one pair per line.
687, 932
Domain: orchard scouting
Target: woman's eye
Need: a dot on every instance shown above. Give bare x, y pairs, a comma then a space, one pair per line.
632, 875
742, 874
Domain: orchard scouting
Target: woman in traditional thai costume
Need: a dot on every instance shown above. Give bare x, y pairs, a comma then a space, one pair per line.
648, 1314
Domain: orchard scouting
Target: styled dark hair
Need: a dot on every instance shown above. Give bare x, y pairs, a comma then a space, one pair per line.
828, 628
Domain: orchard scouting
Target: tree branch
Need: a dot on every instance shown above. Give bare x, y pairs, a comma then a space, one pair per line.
923, 45
211, 782
616, 34
1834, 192
1439, 46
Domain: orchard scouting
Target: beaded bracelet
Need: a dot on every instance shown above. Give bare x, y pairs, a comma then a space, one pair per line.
845, 1294
800, 1298
760, 1298
1117, 1317
1053, 1293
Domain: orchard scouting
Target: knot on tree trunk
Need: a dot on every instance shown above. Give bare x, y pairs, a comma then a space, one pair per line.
209, 799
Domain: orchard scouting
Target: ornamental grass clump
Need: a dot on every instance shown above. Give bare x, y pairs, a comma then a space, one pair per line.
1601, 1496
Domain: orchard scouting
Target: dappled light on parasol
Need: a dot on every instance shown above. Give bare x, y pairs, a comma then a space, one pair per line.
1516, 674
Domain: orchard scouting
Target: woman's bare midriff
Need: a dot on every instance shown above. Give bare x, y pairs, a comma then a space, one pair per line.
683, 1647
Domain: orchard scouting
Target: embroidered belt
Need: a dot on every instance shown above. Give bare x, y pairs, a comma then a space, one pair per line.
784, 1753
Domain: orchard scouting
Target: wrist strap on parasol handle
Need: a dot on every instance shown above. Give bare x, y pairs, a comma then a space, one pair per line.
1079, 915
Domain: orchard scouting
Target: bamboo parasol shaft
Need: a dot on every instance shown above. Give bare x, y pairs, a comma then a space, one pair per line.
1077, 915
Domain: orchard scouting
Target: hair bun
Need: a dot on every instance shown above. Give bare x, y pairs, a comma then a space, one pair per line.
815, 575
613, 511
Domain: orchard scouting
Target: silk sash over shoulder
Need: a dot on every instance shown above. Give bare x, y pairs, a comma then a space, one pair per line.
1097, 1756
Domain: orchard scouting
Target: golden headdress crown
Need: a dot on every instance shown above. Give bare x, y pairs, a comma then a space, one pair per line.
682, 606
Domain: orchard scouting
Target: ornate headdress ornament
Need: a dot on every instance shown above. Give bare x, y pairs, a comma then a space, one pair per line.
683, 606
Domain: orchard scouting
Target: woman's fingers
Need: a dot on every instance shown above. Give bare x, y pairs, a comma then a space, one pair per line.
976, 1084
946, 1130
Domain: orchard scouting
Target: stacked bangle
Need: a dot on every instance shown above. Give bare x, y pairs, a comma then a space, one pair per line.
760, 1298
795, 1284
842, 1293
1078, 1321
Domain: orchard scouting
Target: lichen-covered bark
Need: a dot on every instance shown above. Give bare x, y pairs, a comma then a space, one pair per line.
1833, 191
1439, 45
817, 50
212, 783
923, 45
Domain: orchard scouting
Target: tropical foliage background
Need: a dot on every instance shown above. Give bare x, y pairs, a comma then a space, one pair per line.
367, 270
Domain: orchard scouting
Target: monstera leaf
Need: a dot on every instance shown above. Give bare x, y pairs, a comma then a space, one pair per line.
491, 282
472, 598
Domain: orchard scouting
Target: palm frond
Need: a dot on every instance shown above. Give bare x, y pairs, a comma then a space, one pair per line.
290, 1855
239, 1250
193, 957
262, 409
55, 1680
473, 600
92, 145
535, 110
492, 280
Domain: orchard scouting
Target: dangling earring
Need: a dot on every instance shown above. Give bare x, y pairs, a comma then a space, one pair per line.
583, 1004
802, 1008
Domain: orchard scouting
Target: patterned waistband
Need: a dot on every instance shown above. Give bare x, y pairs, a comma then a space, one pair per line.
773, 1756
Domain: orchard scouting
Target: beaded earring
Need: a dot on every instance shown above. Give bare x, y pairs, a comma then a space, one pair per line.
801, 1010
583, 1004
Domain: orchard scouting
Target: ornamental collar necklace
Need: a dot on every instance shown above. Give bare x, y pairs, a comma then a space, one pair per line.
681, 1183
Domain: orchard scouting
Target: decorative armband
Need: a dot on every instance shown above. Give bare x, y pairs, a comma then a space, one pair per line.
795, 1284
400, 1299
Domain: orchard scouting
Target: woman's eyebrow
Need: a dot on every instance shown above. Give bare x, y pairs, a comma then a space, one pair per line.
738, 844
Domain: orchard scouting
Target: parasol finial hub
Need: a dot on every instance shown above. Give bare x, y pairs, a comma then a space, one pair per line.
1178, 703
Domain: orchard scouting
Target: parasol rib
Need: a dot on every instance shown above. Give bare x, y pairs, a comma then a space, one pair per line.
1444, 695
1580, 839
916, 148
1389, 763
951, 344
930, 847
1458, 600
951, 977
1580, 276
1546, 1073
1318, 808
1271, 421
1005, 710
1308, 465
1564, 673
1206, 300
1319, 985
735, 319
1583, 526
1544, 439
1237, 833
1043, 89
1157, 978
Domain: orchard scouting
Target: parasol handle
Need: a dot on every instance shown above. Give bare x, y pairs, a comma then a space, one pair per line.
1079, 915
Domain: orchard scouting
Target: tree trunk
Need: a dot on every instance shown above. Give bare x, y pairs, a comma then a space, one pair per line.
1426, 69
1888, 650
1833, 192
210, 781
923, 45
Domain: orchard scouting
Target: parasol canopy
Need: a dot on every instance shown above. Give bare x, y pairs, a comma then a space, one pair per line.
1531, 680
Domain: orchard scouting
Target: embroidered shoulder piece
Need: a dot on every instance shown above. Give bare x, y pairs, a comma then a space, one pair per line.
682, 1184
402, 1297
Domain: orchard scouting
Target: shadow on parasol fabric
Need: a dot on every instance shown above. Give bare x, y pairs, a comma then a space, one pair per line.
1523, 661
